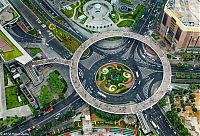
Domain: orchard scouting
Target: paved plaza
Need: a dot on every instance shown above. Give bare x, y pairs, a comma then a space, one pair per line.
98, 16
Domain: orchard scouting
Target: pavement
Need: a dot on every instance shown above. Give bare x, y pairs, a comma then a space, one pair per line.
2, 91
51, 61
22, 111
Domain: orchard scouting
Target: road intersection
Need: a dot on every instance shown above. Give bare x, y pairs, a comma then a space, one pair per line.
120, 108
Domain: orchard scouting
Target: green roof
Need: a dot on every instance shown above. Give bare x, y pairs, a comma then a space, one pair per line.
10, 54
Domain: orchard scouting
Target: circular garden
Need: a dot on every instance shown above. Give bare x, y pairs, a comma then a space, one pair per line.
114, 78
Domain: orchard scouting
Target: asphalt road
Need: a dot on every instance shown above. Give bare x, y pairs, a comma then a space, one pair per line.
50, 19
143, 25
136, 93
159, 118
51, 41
20, 36
73, 101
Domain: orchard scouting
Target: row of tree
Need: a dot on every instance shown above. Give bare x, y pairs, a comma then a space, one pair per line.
176, 122
104, 115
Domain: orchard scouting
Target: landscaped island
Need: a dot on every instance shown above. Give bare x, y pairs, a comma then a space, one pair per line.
114, 78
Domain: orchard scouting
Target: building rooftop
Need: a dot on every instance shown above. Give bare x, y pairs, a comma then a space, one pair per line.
3, 4
17, 52
188, 11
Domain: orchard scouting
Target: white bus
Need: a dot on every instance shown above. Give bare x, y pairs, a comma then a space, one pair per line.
154, 124
137, 75
101, 94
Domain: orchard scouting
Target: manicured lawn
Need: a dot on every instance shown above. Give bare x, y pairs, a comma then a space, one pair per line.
11, 97
125, 23
46, 96
15, 15
11, 54
104, 115
33, 32
155, 36
79, 12
33, 51
126, 2
57, 82
66, 39
84, 1
70, 13
59, 18
5, 75
114, 16
135, 14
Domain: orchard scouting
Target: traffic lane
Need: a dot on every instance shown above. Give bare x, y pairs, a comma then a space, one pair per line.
78, 102
49, 6
58, 107
158, 117
55, 45
75, 105
178, 69
148, 16
163, 123
23, 40
44, 12
25, 36
115, 58
31, 17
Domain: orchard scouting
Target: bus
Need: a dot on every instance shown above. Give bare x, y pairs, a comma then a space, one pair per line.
137, 75
154, 124
101, 94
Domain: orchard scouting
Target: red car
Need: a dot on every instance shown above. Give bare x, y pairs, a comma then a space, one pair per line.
31, 128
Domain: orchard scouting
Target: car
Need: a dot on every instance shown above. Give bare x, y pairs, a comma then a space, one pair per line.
39, 21
74, 116
43, 25
31, 128
49, 109
58, 114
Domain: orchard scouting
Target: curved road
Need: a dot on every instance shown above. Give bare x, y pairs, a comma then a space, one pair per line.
120, 108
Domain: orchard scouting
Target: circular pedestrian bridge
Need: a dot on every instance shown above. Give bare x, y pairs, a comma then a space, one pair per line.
128, 107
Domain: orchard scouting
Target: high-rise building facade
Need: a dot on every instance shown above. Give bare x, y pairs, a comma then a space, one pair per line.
180, 26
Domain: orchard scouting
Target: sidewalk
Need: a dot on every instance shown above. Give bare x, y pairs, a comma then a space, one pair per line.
2, 91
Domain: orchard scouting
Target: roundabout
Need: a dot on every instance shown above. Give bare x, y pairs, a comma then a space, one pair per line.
145, 76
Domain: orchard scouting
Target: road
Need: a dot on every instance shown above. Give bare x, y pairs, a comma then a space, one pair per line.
51, 41
154, 10
134, 62
144, 27
20, 36
50, 19
160, 119
73, 101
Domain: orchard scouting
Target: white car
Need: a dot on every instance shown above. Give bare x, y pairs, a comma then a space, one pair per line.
43, 25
